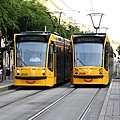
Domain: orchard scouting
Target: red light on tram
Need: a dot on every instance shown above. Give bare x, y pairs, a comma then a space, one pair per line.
88, 80
30, 82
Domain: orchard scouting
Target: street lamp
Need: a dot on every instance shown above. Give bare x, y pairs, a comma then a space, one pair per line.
105, 28
58, 15
96, 17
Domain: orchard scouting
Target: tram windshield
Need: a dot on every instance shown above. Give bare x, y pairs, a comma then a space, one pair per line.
88, 54
31, 53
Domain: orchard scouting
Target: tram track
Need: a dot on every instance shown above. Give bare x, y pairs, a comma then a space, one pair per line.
62, 90
50, 106
18, 89
88, 107
10, 91
45, 104
11, 102
82, 115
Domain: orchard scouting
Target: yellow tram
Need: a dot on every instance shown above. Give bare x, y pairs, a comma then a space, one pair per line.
41, 59
92, 59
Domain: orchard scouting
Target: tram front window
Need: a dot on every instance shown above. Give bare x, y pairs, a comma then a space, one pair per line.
88, 54
31, 54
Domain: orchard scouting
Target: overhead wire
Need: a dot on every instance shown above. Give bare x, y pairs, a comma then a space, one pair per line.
91, 4
70, 9
66, 5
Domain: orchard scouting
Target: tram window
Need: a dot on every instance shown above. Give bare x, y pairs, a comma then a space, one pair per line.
106, 55
50, 58
25, 51
88, 54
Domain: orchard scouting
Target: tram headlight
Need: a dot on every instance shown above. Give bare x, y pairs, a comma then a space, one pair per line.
100, 71
76, 71
18, 72
43, 72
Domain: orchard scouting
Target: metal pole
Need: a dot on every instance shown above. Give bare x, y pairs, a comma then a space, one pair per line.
9, 64
56, 26
93, 21
45, 28
5, 52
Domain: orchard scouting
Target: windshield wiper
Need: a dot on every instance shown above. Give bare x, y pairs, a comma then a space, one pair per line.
22, 61
80, 61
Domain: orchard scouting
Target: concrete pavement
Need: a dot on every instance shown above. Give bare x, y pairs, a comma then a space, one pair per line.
6, 84
111, 105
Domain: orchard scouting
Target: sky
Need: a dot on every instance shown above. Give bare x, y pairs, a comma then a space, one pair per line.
79, 9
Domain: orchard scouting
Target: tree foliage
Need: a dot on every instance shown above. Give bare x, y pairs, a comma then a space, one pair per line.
8, 14
20, 15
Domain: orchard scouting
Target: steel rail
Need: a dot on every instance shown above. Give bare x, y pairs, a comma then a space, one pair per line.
88, 107
50, 106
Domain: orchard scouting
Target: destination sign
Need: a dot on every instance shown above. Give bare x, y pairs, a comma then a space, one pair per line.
87, 39
31, 38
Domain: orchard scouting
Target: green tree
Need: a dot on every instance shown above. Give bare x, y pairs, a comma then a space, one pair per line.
20, 15
33, 17
8, 14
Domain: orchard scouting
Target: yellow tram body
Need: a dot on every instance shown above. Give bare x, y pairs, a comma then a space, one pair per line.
92, 59
54, 52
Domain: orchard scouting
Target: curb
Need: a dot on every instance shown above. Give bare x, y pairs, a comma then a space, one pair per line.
105, 104
7, 87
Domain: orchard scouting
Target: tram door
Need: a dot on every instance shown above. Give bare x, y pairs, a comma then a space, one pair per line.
60, 70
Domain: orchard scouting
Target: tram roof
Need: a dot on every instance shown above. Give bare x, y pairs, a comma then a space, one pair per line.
37, 33
47, 34
89, 34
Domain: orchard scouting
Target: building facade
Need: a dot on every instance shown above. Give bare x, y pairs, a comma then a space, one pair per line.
66, 18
